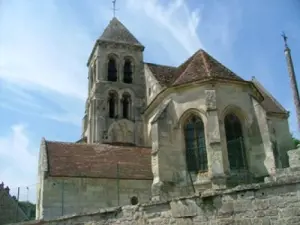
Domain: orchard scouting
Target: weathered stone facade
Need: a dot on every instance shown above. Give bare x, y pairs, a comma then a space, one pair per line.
176, 131
212, 102
99, 125
274, 202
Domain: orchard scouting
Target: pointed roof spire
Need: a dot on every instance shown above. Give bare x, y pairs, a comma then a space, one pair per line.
117, 32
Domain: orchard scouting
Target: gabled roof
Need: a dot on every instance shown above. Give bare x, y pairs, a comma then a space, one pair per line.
199, 66
98, 161
270, 104
117, 32
163, 74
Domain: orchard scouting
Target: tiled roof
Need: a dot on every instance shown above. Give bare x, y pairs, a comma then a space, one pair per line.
164, 74
202, 66
98, 160
199, 66
270, 104
117, 32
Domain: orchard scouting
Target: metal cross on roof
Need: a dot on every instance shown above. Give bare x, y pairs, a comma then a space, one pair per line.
114, 7
284, 38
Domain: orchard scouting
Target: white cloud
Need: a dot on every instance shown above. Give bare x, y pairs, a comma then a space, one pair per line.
18, 99
42, 55
18, 164
176, 17
47, 49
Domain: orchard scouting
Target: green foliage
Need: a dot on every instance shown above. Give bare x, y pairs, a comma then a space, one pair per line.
28, 208
295, 142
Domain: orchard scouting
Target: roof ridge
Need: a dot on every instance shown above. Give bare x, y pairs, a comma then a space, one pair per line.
189, 64
63, 142
205, 62
96, 144
155, 64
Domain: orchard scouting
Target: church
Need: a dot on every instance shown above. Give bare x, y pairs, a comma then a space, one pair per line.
154, 132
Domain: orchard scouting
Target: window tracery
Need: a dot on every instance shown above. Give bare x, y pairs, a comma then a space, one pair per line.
196, 155
235, 142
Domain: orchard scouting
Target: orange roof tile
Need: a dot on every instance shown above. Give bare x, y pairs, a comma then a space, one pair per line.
199, 66
98, 160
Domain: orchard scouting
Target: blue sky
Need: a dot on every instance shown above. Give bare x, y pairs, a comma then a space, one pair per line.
44, 47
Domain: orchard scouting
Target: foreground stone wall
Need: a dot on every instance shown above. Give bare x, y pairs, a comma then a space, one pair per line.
276, 202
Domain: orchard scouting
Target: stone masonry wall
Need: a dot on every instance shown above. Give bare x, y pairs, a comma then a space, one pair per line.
65, 196
276, 202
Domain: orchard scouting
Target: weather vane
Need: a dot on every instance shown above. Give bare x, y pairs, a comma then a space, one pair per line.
285, 39
114, 7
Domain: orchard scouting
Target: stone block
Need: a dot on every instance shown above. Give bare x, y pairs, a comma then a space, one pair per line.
183, 208
210, 99
294, 157
181, 221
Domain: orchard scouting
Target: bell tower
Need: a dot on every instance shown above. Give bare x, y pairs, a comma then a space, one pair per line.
116, 88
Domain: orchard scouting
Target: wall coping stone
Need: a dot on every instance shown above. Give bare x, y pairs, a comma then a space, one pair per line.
105, 211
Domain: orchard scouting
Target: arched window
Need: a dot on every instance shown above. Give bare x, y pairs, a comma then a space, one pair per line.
196, 156
112, 104
126, 103
112, 70
235, 142
127, 76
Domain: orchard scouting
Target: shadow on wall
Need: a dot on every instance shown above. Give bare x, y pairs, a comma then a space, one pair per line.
256, 145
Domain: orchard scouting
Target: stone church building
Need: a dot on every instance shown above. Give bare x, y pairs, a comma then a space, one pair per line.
152, 132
